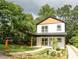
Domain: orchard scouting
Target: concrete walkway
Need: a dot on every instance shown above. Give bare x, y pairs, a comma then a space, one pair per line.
2, 56
72, 52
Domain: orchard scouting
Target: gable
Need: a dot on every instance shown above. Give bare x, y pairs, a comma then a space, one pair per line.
50, 20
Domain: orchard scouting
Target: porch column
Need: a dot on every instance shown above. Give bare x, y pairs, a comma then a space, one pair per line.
48, 42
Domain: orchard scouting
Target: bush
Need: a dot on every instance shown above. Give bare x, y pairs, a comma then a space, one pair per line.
58, 49
63, 51
74, 41
53, 53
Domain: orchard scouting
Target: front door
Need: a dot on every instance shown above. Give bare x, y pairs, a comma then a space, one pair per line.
44, 41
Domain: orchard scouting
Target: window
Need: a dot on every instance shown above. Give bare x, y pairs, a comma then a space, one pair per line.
44, 28
45, 41
59, 39
58, 27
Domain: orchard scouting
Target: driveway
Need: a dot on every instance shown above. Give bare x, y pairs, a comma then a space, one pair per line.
72, 52
2, 56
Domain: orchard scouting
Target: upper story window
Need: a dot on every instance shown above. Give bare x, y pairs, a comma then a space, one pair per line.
58, 27
44, 28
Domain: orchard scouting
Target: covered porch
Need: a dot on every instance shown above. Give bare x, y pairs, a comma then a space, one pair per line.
50, 40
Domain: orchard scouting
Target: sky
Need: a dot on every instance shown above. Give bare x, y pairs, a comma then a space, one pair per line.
33, 6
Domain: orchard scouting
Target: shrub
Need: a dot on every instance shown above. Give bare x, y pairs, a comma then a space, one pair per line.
63, 51
53, 53
58, 49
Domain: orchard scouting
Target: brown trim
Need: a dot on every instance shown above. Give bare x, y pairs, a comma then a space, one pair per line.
50, 17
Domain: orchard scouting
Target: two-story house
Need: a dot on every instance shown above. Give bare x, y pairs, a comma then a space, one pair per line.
50, 29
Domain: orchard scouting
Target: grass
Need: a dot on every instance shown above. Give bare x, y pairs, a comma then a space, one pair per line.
16, 48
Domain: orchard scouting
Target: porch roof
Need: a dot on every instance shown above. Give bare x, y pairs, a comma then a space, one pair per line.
51, 34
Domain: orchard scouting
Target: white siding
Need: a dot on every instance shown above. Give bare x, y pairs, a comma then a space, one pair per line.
52, 28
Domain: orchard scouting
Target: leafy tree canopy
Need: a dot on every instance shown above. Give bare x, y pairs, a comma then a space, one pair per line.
14, 21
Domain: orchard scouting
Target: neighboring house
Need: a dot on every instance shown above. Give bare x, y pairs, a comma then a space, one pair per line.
49, 30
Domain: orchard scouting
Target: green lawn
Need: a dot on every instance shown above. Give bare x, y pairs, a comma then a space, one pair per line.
19, 48
16, 48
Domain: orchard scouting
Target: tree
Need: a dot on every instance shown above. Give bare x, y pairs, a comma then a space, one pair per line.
75, 19
74, 39
13, 22
64, 12
69, 15
45, 11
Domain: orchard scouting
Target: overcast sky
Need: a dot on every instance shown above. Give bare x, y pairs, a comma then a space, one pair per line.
33, 6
